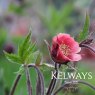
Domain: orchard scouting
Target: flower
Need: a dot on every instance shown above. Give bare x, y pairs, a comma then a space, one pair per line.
65, 48
9, 48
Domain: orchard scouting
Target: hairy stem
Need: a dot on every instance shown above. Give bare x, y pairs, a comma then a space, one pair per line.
41, 76
87, 46
85, 83
53, 82
28, 81
15, 84
82, 82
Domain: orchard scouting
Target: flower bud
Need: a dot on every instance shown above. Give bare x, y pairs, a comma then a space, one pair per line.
9, 48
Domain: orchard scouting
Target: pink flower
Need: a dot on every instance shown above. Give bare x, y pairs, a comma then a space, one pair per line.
65, 49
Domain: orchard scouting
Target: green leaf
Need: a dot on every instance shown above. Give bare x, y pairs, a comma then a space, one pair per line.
25, 51
12, 58
25, 45
83, 34
30, 51
26, 48
32, 58
38, 59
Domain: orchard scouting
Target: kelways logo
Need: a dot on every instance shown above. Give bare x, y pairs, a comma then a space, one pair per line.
71, 75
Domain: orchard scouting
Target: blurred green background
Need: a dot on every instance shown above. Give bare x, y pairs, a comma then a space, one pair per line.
47, 18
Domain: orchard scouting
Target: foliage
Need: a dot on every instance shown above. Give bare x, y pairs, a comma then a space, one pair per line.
25, 50
55, 20
20, 7
83, 34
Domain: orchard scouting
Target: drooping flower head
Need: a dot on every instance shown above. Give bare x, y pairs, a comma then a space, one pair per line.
65, 48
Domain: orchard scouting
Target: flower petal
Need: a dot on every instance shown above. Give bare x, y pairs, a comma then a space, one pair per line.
73, 45
75, 57
61, 37
62, 57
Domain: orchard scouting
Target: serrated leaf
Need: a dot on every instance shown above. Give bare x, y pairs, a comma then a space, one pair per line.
31, 49
25, 48
32, 57
12, 57
29, 52
25, 51
25, 45
84, 32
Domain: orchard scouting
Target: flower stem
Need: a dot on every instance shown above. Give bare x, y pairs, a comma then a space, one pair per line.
15, 84
53, 81
85, 83
41, 77
87, 46
28, 81
82, 82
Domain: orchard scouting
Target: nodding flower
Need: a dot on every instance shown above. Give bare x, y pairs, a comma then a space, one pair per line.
65, 49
